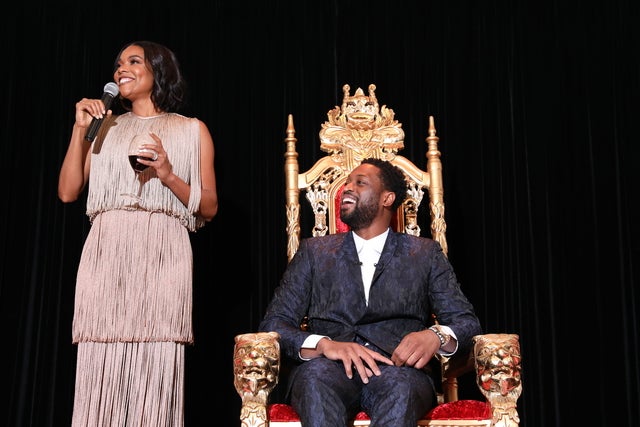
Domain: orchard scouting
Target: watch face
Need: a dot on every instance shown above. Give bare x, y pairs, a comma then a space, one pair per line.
447, 338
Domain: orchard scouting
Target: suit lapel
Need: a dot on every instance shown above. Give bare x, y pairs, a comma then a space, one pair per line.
386, 256
350, 255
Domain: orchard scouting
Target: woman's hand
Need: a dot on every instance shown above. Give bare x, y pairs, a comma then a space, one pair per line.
161, 164
87, 110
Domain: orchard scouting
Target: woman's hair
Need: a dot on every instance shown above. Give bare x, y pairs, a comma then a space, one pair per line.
392, 179
169, 87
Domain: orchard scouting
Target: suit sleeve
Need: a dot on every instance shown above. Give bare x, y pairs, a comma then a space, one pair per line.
449, 303
290, 303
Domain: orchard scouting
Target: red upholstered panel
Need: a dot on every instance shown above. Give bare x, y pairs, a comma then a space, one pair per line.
341, 227
458, 410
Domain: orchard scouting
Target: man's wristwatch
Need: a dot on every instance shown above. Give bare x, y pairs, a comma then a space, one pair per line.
442, 335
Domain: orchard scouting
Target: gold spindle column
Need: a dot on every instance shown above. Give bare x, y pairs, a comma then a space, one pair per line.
292, 191
436, 204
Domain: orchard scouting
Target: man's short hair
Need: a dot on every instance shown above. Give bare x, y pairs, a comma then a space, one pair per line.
392, 178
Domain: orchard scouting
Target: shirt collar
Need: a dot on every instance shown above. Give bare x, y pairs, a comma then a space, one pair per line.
375, 243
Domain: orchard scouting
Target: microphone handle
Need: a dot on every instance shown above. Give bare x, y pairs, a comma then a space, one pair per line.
92, 131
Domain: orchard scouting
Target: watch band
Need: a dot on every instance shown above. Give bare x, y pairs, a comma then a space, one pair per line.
442, 336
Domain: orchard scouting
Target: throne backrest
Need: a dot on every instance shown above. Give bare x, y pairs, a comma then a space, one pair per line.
358, 129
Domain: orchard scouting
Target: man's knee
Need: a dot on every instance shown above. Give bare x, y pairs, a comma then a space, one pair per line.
399, 389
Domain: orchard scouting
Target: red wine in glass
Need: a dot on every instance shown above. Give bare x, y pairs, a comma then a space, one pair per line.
136, 165
133, 153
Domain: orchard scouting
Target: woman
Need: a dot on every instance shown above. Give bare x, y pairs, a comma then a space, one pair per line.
133, 302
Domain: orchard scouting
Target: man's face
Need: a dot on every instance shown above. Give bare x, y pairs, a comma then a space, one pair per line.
362, 197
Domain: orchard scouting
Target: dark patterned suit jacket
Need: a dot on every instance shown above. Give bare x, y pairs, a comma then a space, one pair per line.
412, 281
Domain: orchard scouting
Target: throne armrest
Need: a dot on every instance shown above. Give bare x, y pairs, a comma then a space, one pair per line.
256, 367
495, 358
498, 375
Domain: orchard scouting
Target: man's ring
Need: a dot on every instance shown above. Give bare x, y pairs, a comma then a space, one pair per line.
155, 156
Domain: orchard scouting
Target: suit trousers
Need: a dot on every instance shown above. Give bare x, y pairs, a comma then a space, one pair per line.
323, 395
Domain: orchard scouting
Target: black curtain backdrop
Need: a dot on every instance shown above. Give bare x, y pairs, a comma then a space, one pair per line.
536, 107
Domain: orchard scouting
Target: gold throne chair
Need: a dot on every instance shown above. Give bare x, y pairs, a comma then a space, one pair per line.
358, 129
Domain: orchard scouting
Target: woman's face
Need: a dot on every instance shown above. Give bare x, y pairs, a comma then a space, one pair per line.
133, 74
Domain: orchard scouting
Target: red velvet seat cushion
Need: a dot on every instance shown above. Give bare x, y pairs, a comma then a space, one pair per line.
281, 412
461, 410
458, 410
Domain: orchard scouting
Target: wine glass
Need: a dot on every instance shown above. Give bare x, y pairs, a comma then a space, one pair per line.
135, 152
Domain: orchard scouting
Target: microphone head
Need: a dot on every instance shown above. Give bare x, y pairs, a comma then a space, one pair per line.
112, 89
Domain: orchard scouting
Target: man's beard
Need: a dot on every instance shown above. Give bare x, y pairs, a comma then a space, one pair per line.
361, 216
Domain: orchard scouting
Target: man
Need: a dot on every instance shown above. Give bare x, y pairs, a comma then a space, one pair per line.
369, 295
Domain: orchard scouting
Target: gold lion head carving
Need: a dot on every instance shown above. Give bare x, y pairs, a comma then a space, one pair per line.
256, 363
498, 364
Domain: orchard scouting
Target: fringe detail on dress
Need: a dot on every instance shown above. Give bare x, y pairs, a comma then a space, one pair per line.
112, 175
134, 280
129, 384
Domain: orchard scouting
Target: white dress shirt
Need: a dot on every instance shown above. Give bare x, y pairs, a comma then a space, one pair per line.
369, 253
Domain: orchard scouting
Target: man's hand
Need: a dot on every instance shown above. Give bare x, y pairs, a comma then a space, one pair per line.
416, 349
353, 356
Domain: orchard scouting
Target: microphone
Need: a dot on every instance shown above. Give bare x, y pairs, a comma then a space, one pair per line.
110, 92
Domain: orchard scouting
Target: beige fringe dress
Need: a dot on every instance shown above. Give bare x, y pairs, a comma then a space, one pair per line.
133, 302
